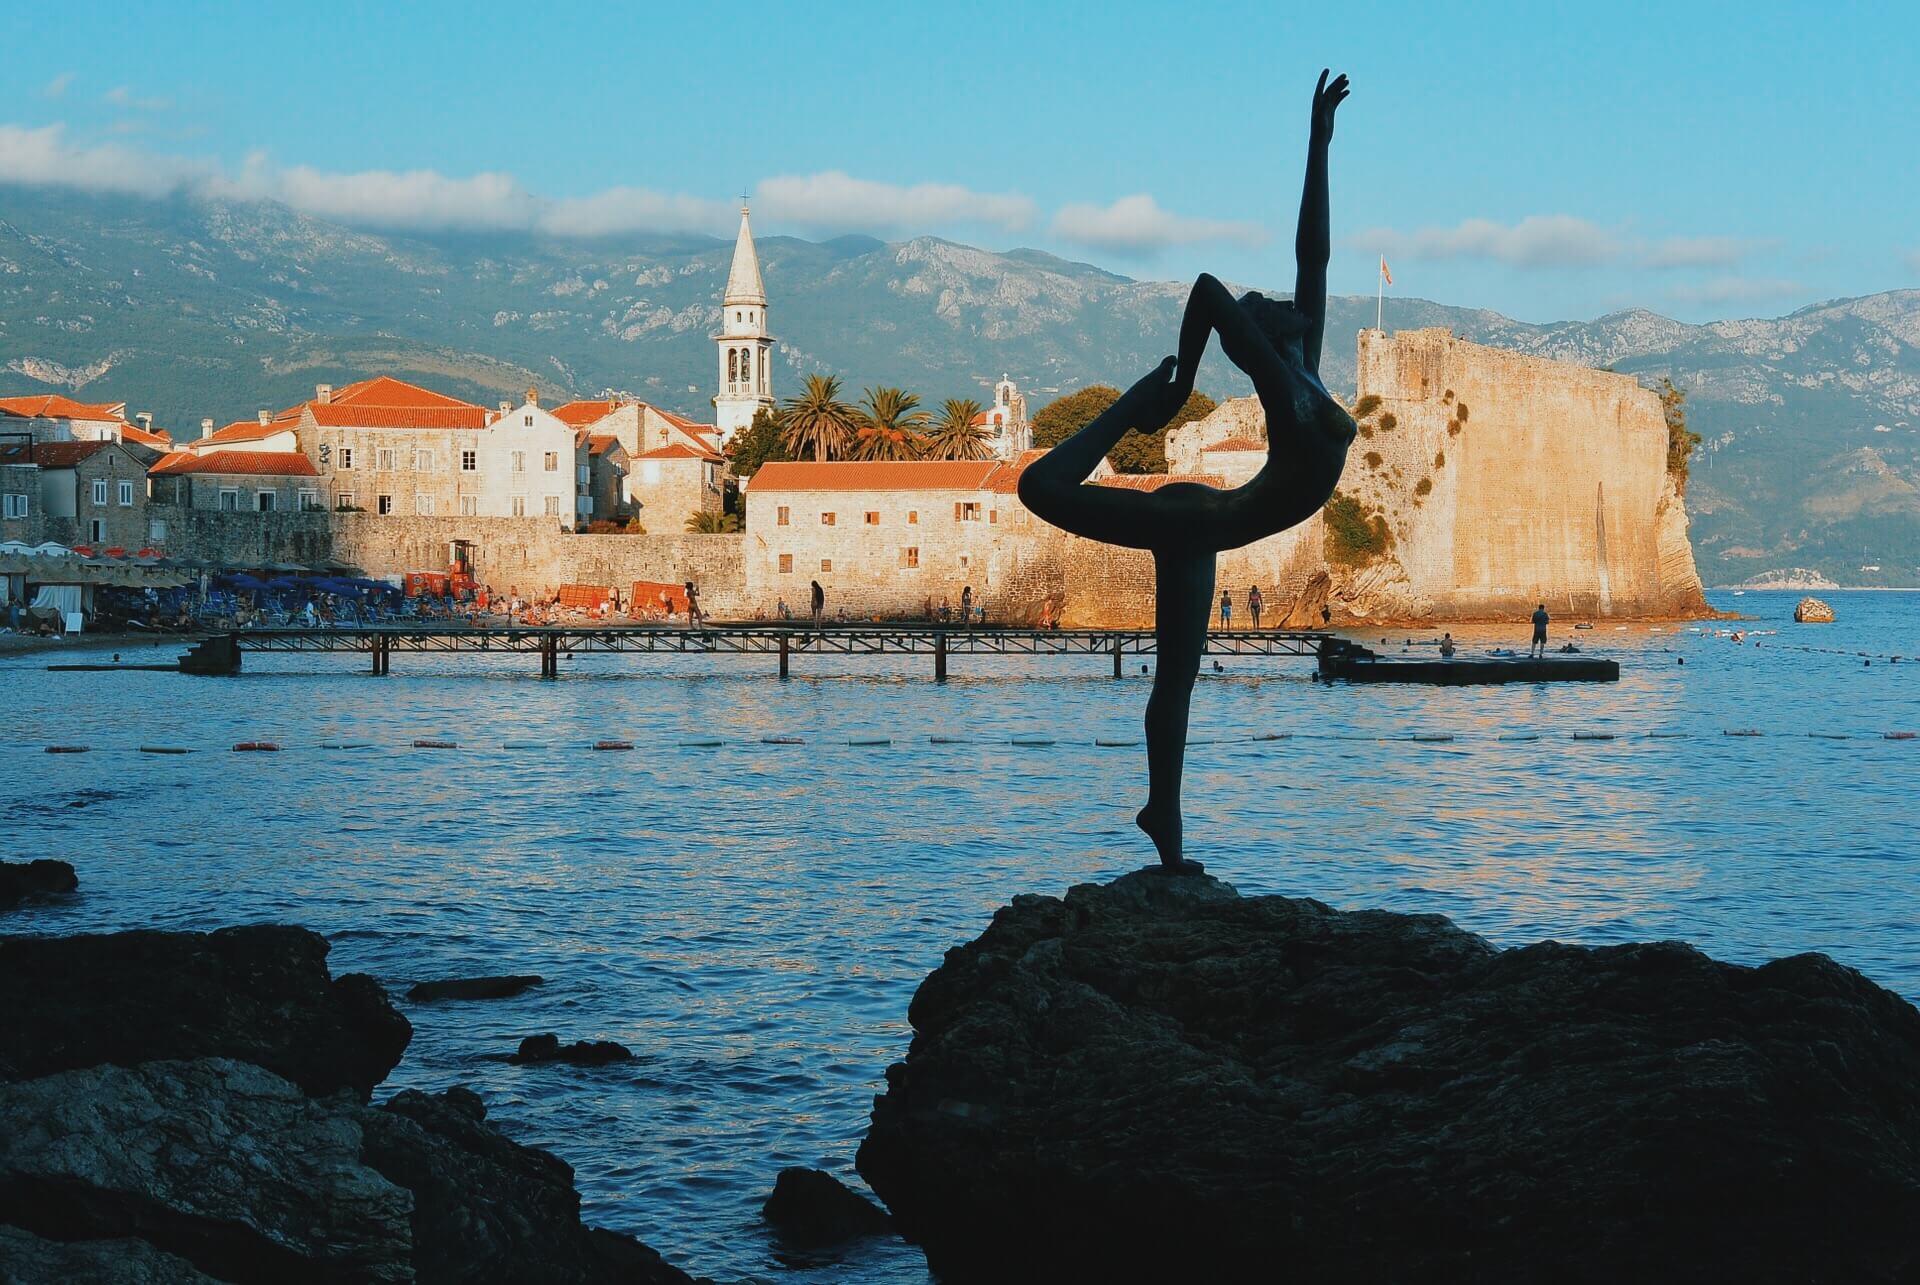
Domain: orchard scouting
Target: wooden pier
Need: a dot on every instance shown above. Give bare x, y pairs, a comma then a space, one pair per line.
551, 643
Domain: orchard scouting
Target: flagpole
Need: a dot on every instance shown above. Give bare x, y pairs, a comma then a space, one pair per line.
1380, 296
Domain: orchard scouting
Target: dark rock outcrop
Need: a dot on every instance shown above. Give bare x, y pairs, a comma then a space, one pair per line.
473, 987
810, 1208
1160, 1079
257, 994
235, 1172
548, 1048
22, 879
27, 1259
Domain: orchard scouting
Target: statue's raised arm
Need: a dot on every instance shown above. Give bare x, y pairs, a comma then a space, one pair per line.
1313, 241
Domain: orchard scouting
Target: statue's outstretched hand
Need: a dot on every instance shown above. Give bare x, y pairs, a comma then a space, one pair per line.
1326, 100
1152, 402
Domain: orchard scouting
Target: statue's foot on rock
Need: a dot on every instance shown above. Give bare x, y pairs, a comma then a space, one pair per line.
1162, 825
1186, 866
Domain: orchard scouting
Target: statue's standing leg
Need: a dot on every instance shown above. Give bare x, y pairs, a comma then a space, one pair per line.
1183, 595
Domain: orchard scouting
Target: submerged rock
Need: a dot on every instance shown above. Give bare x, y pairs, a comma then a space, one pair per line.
474, 987
233, 1171
259, 994
548, 1048
1158, 1078
22, 879
811, 1208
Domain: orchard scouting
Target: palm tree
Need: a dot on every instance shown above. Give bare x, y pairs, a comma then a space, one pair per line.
817, 422
955, 436
708, 522
890, 426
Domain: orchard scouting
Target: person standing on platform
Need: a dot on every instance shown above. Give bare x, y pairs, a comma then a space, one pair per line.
819, 604
1254, 603
966, 606
1226, 609
694, 617
1539, 644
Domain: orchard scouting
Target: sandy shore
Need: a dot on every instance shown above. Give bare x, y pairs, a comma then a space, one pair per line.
143, 648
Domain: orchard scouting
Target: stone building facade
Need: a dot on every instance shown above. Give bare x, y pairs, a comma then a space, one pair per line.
52, 417
674, 467
91, 492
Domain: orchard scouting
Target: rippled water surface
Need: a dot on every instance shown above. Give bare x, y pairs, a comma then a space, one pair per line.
752, 919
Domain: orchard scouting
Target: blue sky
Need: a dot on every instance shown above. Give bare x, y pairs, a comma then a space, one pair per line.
1550, 162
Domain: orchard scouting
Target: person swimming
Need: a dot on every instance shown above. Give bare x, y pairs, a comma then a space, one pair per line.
1186, 525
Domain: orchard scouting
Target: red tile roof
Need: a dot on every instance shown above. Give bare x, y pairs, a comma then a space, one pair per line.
158, 439
52, 454
370, 415
1006, 479
681, 451
580, 414
245, 430
261, 463
55, 406
849, 475
384, 390
1154, 481
601, 443
1236, 444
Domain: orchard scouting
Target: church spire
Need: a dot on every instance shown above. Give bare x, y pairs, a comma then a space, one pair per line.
743, 282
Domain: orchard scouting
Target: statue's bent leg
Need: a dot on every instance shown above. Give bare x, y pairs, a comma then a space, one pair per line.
1183, 584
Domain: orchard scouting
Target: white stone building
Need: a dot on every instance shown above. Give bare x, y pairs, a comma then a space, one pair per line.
746, 349
1008, 432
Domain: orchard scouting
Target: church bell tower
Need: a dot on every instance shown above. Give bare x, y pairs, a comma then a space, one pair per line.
746, 349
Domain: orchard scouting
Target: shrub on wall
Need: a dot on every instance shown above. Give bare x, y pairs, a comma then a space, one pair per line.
1389, 422
1374, 459
1355, 537
1423, 487
1440, 460
1366, 406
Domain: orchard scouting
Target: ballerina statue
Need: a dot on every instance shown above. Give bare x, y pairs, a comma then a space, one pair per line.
1184, 524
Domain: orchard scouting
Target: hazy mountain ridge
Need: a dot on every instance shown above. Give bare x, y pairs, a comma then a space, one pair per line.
192, 309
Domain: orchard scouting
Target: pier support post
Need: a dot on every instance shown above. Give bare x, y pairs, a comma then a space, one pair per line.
549, 657
1116, 658
783, 655
939, 657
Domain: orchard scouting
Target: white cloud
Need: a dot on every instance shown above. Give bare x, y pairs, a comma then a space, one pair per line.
835, 201
1537, 241
413, 199
45, 157
57, 87
633, 209
1725, 290
122, 96
1698, 251
1137, 223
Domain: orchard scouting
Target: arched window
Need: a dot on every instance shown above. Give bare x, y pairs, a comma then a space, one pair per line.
733, 366
763, 368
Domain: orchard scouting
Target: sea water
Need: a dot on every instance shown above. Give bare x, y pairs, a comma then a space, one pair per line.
752, 918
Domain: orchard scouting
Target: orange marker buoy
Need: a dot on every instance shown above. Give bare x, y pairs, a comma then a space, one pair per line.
256, 747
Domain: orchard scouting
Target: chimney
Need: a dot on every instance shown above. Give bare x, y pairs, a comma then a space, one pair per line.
206, 428
506, 407
323, 393
266, 418
146, 420
533, 396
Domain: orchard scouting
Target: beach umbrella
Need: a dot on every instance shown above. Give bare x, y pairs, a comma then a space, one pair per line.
280, 584
247, 582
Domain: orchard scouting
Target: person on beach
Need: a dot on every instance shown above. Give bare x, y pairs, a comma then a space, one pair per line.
1185, 525
1539, 644
1254, 604
1226, 609
819, 603
693, 606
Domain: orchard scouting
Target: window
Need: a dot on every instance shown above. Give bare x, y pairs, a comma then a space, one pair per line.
423, 461
423, 505
229, 499
469, 461
383, 504
826, 519
527, 420
126, 495
346, 457
97, 530
519, 506
343, 499
913, 517
910, 557
781, 514
963, 560
553, 506
519, 461
383, 459
100, 491
786, 564
993, 515
264, 501
551, 461
309, 500
873, 519
16, 506
826, 564
469, 506
156, 530
963, 512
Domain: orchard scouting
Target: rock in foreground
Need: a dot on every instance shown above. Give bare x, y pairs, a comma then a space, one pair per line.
474, 987
812, 1208
536, 1049
22, 879
259, 994
1159, 1079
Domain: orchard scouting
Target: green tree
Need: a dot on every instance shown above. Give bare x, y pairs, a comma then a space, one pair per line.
1680, 441
1136, 452
955, 436
708, 522
890, 424
817, 422
761, 442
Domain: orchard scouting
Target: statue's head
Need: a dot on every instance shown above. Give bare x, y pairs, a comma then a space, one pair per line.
1283, 324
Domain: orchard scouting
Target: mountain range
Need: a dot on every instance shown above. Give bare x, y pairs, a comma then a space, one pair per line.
188, 308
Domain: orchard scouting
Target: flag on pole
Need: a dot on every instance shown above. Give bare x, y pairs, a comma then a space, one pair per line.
1385, 274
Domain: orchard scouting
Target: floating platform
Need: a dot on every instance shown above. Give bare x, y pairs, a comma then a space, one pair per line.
1355, 664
